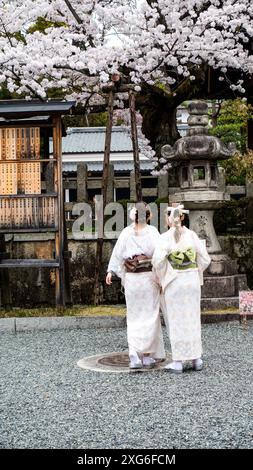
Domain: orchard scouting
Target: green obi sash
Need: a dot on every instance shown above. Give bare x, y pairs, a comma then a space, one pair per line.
183, 259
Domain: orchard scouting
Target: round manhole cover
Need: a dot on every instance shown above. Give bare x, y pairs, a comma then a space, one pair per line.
114, 362
118, 360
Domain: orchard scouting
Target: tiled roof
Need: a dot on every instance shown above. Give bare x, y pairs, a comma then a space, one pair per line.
118, 166
86, 140
10, 109
92, 140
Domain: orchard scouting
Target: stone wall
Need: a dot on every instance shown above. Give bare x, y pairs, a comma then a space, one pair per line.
34, 287
241, 249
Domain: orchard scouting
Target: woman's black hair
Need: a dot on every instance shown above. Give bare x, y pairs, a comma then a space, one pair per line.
186, 221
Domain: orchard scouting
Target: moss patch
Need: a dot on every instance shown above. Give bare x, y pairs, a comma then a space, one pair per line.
75, 311
225, 311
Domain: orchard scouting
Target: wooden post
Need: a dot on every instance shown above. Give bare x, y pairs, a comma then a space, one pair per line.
81, 181
49, 166
6, 299
132, 186
135, 146
67, 255
110, 186
163, 186
49, 177
104, 184
59, 236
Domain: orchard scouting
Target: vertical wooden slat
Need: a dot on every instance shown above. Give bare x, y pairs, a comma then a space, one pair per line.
22, 178
68, 293
6, 298
29, 177
58, 185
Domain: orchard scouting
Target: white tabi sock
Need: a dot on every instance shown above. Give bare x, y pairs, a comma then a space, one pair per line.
176, 365
147, 361
134, 358
197, 362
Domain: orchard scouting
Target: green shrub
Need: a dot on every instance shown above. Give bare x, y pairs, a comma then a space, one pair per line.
239, 168
231, 217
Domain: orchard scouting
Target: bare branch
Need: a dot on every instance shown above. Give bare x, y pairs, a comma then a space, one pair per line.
73, 11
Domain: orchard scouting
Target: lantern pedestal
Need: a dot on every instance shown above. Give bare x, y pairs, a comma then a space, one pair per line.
197, 156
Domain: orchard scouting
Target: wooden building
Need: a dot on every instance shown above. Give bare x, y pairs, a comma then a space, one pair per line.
31, 188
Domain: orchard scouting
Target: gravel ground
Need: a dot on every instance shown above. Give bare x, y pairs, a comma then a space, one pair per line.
47, 401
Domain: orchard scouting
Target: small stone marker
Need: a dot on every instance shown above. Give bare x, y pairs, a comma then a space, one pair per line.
245, 304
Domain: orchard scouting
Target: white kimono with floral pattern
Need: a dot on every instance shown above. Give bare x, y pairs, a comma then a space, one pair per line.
142, 291
181, 290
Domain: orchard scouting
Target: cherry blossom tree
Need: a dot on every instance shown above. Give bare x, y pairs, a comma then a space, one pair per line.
170, 51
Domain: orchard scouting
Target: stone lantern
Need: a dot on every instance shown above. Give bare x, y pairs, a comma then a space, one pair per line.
197, 156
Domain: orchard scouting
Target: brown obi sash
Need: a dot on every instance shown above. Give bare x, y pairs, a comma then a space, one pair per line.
138, 264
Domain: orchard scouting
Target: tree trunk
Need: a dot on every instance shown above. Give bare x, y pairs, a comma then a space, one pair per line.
158, 107
99, 253
159, 122
160, 127
137, 171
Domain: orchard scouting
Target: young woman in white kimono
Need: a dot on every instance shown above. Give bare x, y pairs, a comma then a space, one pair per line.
179, 261
142, 291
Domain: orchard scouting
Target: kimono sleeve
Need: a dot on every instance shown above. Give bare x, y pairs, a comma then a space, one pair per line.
116, 261
156, 237
160, 253
161, 266
203, 258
